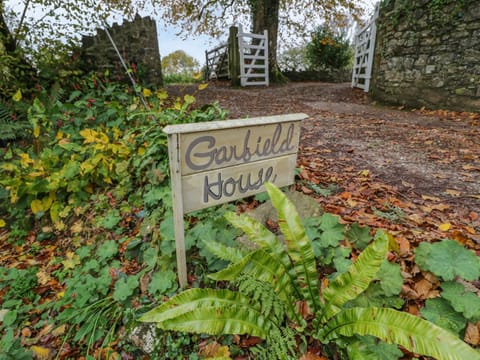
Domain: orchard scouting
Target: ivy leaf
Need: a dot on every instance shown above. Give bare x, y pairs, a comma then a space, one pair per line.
448, 259
124, 288
332, 230
390, 277
359, 235
107, 250
163, 282
440, 312
462, 300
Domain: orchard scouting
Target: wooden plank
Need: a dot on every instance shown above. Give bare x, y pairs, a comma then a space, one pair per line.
232, 183
254, 75
208, 150
177, 200
265, 83
231, 124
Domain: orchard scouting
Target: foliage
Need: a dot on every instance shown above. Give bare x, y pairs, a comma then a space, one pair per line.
289, 269
328, 50
179, 62
448, 259
91, 193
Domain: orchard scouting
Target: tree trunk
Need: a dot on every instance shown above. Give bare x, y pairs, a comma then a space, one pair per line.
20, 73
265, 17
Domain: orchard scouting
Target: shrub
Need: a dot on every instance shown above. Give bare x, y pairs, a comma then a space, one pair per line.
328, 50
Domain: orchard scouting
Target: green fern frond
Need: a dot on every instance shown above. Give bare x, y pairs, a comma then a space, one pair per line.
349, 285
299, 247
9, 129
413, 333
211, 312
260, 265
224, 252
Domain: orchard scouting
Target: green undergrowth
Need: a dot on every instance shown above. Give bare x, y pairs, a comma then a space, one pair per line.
87, 240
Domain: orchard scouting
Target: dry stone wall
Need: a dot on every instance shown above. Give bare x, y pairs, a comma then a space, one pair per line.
428, 54
137, 43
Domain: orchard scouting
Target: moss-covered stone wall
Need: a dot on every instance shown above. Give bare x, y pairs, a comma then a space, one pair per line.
137, 43
428, 54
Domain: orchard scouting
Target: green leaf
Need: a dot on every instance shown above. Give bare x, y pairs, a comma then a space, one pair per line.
371, 348
125, 288
415, 334
359, 235
162, 282
448, 259
107, 250
299, 247
352, 283
442, 314
391, 279
111, 220
9, 318
374, 296
333, 231
260, 265
212, 312
462, 300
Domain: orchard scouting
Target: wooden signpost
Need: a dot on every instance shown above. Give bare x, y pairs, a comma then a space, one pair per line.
216, 162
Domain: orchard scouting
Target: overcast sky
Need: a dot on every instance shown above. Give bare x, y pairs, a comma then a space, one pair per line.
168, 39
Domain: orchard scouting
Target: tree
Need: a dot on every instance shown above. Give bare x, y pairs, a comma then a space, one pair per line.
295, 17
179, 62
328, 50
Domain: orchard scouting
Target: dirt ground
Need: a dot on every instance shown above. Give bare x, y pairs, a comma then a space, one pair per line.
423, 155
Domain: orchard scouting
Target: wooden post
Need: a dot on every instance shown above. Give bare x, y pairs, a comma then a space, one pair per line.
177, 199
233, 56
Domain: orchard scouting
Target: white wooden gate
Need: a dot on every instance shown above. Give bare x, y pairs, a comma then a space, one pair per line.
217, 66
364, 52
253, 58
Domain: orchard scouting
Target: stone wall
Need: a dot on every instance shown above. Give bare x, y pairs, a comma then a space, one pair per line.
428, 55
137, 43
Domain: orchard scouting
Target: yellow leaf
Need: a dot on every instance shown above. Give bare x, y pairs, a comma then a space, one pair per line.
189, 99
36, 206
17, 96
61, 294
364, 173
41, 353
147, 92
141, 151
59, 330
54, 211
43, 277
162, 94
202, 86
197, 75
2, 223
25, 160
36, 131
89, 135
177, 105
59, 135
77, 227
444, 226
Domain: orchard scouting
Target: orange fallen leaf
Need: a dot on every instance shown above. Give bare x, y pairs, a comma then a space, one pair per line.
472, 334
452, 192
312, 356
431, 198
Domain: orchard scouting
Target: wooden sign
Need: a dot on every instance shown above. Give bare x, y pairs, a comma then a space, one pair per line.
216, 162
